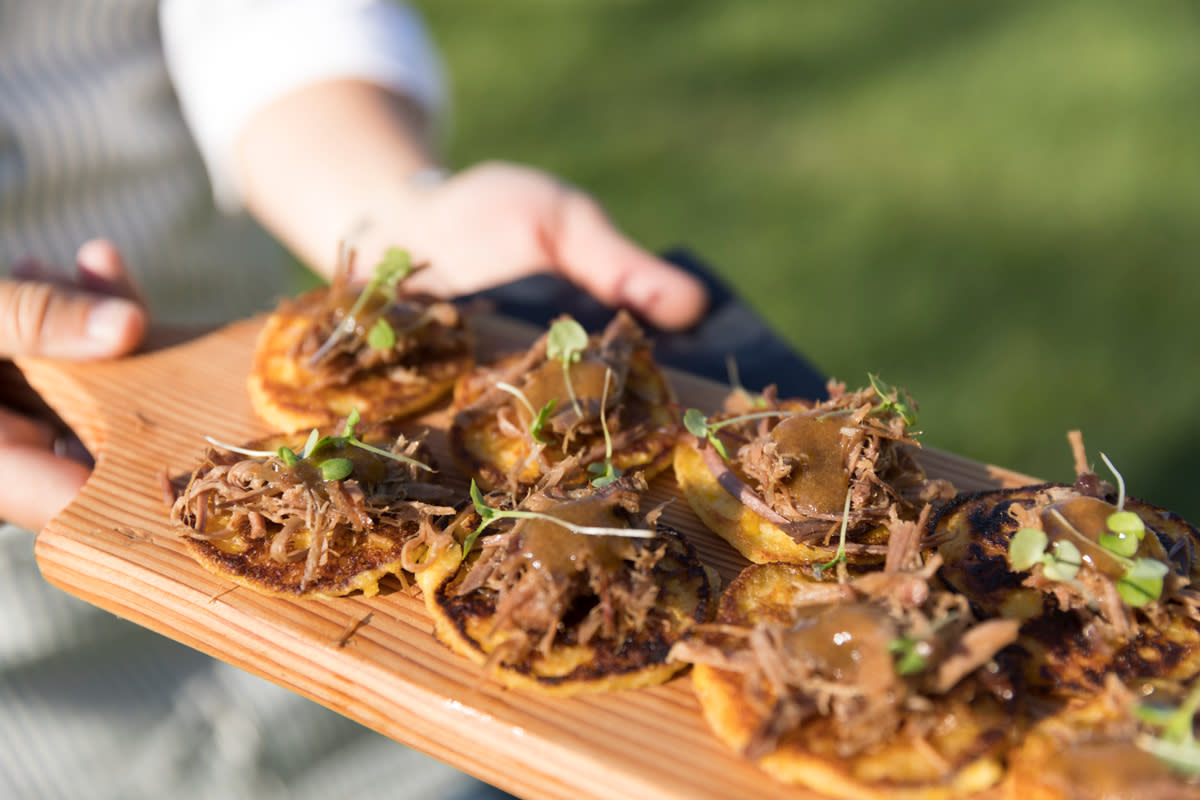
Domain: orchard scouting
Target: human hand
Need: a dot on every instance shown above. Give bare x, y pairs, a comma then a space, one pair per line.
496, 222
94, 314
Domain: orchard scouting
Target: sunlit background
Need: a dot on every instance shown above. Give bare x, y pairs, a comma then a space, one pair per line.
994, 205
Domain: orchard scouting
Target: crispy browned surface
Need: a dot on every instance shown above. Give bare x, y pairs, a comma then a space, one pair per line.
1066, 656
281, 384
967, 748
468, 625
487, 453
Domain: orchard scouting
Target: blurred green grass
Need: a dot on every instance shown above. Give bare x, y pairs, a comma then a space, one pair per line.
996, 206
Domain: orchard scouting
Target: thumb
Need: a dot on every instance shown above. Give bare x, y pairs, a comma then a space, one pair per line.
41, 319
37, 485
590, 251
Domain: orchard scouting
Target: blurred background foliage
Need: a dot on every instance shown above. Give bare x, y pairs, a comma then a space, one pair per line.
994, 205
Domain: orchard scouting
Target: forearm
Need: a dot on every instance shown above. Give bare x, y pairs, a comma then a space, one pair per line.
315, 162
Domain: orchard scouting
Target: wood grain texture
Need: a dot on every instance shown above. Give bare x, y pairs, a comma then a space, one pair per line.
373, 659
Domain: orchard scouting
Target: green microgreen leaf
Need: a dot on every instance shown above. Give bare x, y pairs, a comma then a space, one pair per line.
566, 342
381, 336
395, 266
488, 515
1127, 523
890, 400
352, 420
912, 655
540, 419
1026, 548
1063, 562
702, 428
1176, 742
310, 444
1119, 544
332, 469
1142, 583
335, 469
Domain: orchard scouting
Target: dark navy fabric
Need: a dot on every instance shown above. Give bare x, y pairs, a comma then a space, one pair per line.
729, 328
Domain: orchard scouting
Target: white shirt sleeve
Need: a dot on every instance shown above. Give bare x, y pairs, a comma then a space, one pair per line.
230, 58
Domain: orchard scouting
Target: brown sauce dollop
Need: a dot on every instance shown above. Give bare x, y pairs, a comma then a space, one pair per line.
552, 548
849, 644
816, 447
547, 383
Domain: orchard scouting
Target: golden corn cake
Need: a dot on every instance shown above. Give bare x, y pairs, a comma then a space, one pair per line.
597, 403
317, 517
337, 348
778, 478
544, 605
883, 686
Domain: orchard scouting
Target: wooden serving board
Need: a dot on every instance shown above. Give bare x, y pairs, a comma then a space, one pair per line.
375, 659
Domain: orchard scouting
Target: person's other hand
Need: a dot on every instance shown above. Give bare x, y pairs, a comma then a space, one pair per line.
497, 222
95, 314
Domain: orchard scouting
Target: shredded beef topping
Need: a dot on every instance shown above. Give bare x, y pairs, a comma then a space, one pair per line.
839, 658
797, 469
603, 397
549, 583
302, 514
337, 350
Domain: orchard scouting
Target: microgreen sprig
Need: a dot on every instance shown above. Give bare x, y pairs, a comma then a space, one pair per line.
912, 654
1140, 583
1176, 742
702, 428
395, 266
566, 342
1125, 529
890, 400
538, 418
840, 556
332, 469
604, 471
1030, 546
488, 515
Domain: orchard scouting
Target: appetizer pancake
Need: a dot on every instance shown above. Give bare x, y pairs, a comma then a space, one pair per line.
316, 518
545, 606
1100, 587
779, 490
529, 413
882, 687
1089, 751
1079, 631
337, 348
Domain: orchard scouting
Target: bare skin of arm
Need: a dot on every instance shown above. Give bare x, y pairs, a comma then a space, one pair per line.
336, 158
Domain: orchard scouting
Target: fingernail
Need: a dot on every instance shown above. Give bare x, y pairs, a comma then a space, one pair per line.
107, 326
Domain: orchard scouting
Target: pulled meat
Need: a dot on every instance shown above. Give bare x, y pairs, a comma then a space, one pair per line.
551, 585
843, 657
1078, 514
593, 393
797, 468
305, 516
335, 346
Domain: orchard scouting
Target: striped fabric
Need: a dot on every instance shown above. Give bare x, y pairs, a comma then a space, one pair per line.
92, 142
